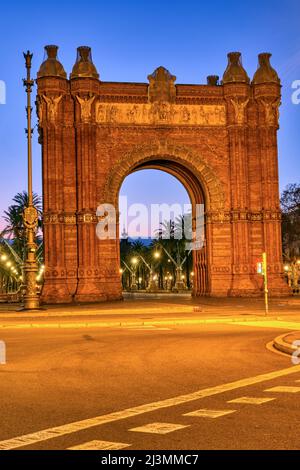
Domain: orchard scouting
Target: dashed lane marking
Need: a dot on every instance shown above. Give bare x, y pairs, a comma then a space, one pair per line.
159, 428
251, 400
204, 413
50, 433
284, 389
100, 445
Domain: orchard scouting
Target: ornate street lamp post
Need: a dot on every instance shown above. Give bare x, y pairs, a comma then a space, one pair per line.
30, 215
134, 262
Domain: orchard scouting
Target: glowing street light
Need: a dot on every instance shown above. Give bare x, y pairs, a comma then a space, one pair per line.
30, 214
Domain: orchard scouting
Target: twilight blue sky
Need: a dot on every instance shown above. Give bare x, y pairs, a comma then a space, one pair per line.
129, 39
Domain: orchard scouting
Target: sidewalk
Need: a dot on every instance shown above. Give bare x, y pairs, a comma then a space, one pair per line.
150, 312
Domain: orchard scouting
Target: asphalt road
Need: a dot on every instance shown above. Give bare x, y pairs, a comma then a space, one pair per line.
54, 377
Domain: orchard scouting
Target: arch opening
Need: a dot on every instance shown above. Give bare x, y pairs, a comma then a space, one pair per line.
188, 261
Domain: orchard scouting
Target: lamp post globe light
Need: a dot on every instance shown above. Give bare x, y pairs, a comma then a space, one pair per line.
152, 286
153, 283
134, 262
292, 272
30, 215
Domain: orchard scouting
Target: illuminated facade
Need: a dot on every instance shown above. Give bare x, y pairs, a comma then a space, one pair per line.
219, 140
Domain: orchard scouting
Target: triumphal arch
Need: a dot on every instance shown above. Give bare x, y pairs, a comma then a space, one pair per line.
218, 139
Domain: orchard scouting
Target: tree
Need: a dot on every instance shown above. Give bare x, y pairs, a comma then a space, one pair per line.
14, 230
173, 235
290, 204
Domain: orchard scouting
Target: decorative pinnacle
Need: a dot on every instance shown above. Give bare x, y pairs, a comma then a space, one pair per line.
28, 57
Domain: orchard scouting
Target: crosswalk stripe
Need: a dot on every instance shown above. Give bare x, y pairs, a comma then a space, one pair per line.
251, 400
204, 413
100, 445
64, 429
284, 389
159, 428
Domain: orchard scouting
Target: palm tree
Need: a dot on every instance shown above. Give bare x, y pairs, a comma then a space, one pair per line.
14, 215
183, 230
290, 204
15, 230
173, 236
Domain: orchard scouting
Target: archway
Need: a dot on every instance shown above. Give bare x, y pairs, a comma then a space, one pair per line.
155, 225
94, 133
198, 179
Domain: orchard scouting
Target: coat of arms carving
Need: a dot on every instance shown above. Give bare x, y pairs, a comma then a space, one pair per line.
161, 86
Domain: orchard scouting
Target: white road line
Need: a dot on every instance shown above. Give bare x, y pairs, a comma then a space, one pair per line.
251, 400
159, 428
100, 445
283, 325
204, 413
146, 328
284, 389
64, 429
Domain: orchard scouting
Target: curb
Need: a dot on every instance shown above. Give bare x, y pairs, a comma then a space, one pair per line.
284, 346
118, 324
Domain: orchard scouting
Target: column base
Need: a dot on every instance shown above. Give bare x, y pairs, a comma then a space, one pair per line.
55, 291
93, 290
243, 286
278, 287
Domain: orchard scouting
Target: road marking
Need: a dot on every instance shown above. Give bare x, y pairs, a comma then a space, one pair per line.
284, 389
141, 327
159, 428
146, 328
209, 413
251, 400
64, 429
100, 445
283, 325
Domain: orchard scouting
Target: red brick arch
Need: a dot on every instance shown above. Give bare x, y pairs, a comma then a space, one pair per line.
219, 140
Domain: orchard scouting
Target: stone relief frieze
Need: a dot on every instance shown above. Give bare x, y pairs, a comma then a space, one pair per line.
160, 113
